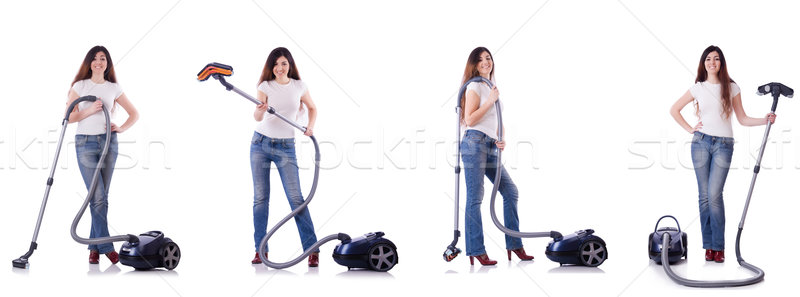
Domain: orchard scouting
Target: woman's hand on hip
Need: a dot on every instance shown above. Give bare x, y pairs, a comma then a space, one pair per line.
696, 127
115, 128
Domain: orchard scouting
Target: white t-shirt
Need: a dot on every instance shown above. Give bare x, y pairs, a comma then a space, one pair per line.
488, 123
709, 101
285, 99
108, 92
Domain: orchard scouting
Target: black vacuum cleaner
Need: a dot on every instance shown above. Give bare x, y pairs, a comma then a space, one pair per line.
371, 251
138, 252
776, 90
678, 244
580, 248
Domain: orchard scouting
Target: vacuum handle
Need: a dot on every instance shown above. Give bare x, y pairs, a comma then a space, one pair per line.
71, 106
667, 216
463, 89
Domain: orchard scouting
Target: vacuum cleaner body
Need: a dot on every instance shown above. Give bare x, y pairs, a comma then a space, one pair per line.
152, 251
371, 251
579, 248
677, 245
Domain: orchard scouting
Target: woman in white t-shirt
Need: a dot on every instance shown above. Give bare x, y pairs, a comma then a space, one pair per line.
716, 97
478, 149
273, 142
96, 77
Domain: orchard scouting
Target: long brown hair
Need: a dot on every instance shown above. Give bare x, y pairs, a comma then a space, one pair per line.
85, 72
272, 59
724, 79
471, 70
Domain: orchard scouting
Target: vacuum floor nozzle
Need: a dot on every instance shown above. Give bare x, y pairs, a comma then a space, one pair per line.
451, 253
20, 263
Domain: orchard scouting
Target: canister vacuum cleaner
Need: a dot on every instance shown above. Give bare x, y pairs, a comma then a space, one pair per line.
661, 243
147, 251
371, 251
580, 248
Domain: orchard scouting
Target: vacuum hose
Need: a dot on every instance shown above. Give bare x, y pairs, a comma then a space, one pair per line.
93, 187
263, 244
711, 284
552, 234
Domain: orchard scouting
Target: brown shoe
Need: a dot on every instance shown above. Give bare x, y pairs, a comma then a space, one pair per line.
257, 259
313, 260
113, 256
94, 257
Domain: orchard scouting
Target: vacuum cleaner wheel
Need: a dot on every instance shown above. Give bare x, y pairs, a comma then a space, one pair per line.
170, 255
593, 253
685, 246
382, 257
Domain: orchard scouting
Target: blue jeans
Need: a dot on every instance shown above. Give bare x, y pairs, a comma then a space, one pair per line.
711, 156
478, 152
89, 148
264, 150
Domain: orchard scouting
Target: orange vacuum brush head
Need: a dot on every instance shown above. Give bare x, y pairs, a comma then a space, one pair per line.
214, 68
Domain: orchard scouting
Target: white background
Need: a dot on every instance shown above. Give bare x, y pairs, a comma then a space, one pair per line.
587, 87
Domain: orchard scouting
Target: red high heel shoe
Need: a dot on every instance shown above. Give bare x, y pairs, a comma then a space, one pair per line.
257, 260
719, 256
520, 252
483, 259
94, 257
313, 260
113, 256
709, 255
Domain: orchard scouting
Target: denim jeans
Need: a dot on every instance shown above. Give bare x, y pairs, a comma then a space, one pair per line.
264, 150
89, 148
478, 152
711, 156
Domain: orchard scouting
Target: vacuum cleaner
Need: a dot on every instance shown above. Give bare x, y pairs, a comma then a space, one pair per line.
677, 245
580, 248
371, 251
146, 251
776, 90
